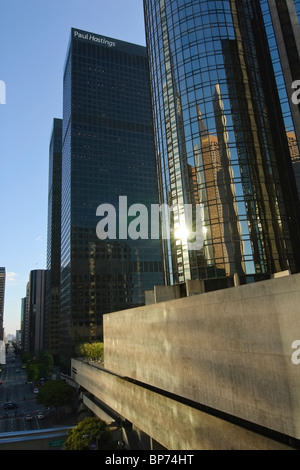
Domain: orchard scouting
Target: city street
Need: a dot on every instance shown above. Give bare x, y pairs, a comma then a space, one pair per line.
14, 388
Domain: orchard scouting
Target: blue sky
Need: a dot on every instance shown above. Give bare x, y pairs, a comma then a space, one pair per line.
34, 40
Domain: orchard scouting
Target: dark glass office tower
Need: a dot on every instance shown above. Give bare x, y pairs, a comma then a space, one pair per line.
221, 143
52, 314
283, 31
22, 322
35, 312
108, 153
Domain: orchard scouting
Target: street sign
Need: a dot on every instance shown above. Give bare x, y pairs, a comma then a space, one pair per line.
56, 443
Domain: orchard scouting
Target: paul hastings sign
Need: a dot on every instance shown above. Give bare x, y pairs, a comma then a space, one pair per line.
95, 38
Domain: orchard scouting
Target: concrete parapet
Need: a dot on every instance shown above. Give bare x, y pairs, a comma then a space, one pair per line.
165, 293
281, 274
149, 297
175, 425
236, 279
194, 287
229, 350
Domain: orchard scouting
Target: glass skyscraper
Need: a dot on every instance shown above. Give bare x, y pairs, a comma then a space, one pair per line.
35, 312
52, 310
107, 157
221, 142
283, 32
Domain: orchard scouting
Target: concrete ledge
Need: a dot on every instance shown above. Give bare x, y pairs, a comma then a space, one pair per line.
229, 350
174, 425
97, 411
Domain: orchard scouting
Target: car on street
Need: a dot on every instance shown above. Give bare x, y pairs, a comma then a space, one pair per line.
36, 390
28, 417
41, 415
10, 405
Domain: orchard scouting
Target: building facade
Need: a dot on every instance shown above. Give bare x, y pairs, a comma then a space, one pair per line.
2, 297
107, 162
283, 32
221, 142
23, 321
34, 312
52, 314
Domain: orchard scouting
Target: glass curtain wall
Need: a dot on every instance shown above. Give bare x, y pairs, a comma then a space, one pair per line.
283, 33
221, 144
107, 154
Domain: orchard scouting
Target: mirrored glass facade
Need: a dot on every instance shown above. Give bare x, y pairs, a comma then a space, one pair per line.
283, 33
220, 141
108, 152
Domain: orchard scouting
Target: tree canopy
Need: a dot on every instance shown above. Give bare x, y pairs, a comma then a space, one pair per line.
91, 351
90, 433
35, 371
38, 367
55, 393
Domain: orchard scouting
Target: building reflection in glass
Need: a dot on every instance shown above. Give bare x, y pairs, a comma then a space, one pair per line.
220, 139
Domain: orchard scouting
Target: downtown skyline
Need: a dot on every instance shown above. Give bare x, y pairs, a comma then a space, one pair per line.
32, 61
25, 149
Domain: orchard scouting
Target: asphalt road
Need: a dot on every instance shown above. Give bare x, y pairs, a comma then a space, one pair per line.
14, 388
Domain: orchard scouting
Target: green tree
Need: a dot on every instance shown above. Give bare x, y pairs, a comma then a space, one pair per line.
47, 359
91, 351
35, 371
38, 368
55, 393
26, 358
90, 433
